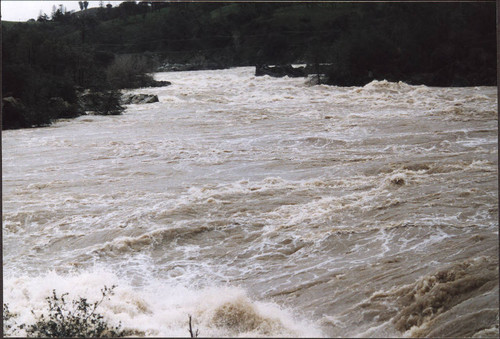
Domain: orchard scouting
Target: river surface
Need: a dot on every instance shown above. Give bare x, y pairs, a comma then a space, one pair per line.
264, 207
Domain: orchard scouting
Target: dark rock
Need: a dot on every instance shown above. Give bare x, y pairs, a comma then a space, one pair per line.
420, 79
200, 66
445, 77
316, 79
156, 83
161, 83
176, 67
319, 68
346, 80
11, 101
128, 99
280, 71
102, 103
13, 113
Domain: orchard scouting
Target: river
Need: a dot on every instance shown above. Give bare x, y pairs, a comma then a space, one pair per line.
264, 207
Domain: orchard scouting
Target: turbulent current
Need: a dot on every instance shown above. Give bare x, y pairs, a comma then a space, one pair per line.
263, 207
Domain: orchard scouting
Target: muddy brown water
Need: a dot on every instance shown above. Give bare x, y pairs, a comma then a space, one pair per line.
264, 207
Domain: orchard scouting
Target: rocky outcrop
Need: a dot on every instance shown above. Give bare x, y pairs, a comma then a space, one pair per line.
100, 102
11, 102
13, 113
128, 99
108, 102
17, 114
453, 75
280, 71
318, 68
316, 79
191, 67
156, 83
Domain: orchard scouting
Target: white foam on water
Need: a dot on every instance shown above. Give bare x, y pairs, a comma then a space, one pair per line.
159, 308
290, 190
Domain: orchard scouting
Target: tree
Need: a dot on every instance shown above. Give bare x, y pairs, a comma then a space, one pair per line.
42, 17
57, 15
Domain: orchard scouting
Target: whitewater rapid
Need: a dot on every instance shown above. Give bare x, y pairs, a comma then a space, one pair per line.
264, 207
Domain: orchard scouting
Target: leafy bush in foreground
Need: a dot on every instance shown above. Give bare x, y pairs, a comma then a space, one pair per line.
8, 326
77, 318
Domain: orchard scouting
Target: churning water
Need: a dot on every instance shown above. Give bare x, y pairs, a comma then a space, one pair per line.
264, 207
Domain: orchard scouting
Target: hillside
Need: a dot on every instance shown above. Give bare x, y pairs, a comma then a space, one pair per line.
436, 44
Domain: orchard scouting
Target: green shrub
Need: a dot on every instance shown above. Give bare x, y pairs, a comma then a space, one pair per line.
9, 324
77, 318
128, 71
101, 102
109, 103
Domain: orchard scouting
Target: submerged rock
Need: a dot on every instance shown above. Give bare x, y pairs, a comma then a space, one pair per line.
316, 79
195, 66
156, 83
128, 99
280, 71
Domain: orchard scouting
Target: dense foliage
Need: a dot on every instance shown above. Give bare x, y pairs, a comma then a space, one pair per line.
437, 44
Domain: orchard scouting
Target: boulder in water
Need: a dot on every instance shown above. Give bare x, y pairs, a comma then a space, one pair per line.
100, 102
316, 79
280, 71
128, 99
156, 83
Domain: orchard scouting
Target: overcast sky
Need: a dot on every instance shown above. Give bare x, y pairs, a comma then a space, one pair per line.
20, 10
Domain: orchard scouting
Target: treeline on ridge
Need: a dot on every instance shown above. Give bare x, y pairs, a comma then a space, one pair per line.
49, 61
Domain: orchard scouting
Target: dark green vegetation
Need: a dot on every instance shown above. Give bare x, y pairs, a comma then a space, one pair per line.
77, 319
47, 61
64, 319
